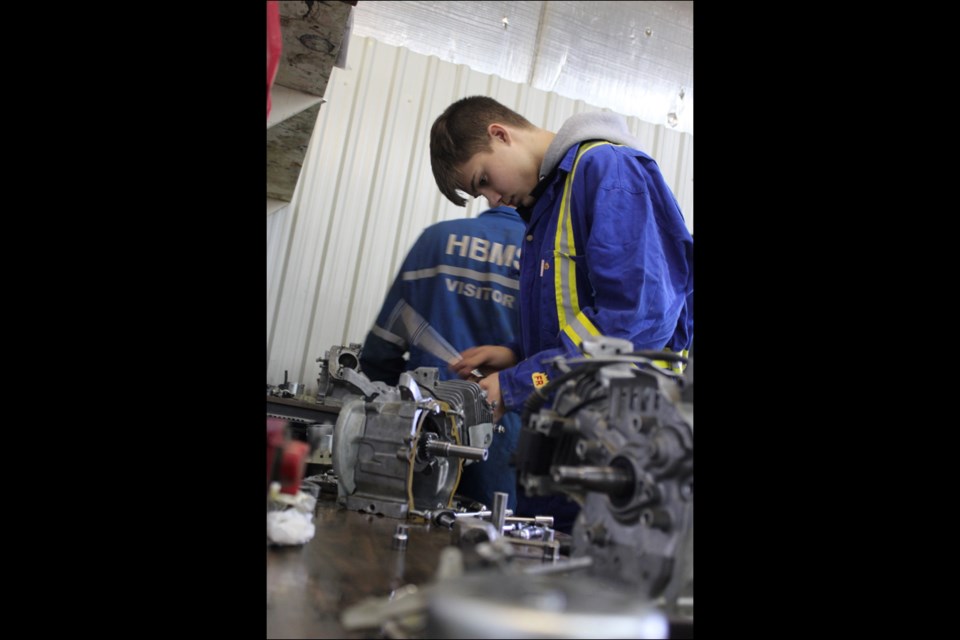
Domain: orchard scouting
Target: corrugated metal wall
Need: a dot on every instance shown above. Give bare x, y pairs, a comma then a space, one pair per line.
366, 191
635, 58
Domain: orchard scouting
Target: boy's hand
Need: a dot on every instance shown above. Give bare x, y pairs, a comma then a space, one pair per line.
491, 384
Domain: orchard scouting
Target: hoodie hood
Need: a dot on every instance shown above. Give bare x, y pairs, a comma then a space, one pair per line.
586, 126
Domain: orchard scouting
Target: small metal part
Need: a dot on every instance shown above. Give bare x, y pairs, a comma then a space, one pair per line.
473, 531
444, 518
551, 548
543, 521
485, 513
472, 514
472, 506
400, 537
531, 533
499, 510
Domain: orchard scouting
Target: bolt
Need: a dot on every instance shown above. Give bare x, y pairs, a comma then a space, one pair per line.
400, 537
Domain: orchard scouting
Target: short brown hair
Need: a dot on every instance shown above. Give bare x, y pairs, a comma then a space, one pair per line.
460, 133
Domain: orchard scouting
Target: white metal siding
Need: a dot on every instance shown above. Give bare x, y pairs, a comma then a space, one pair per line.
366, 192
635, 58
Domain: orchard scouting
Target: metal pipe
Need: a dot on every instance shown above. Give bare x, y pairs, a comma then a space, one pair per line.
499, 510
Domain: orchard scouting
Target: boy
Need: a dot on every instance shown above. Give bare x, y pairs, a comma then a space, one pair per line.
605, 252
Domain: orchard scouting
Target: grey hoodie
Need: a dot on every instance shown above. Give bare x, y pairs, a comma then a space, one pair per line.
586, 126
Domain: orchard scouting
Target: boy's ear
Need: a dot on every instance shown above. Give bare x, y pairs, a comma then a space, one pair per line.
499, 132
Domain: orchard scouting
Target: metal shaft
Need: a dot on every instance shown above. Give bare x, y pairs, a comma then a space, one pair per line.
610, 480
439, 448
482, 514
538, 520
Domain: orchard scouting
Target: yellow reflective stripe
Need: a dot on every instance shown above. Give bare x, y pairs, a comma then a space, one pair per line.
562, 222
584, 321
578, 327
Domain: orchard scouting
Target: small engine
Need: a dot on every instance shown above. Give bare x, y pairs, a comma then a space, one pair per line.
614, 439
402, 448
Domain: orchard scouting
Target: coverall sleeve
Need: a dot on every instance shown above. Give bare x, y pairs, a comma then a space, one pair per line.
637, 272
518, 382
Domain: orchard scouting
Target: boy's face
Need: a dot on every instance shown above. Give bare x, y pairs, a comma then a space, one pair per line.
505, 175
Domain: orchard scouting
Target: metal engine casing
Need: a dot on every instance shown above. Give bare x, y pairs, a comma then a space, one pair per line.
375, 457
380, 441
615, 440
334, 381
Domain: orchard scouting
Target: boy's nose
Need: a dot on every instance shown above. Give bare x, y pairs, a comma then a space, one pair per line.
492, 197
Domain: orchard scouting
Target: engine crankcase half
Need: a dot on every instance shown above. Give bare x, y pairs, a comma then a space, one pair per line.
381, 460
615, 442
